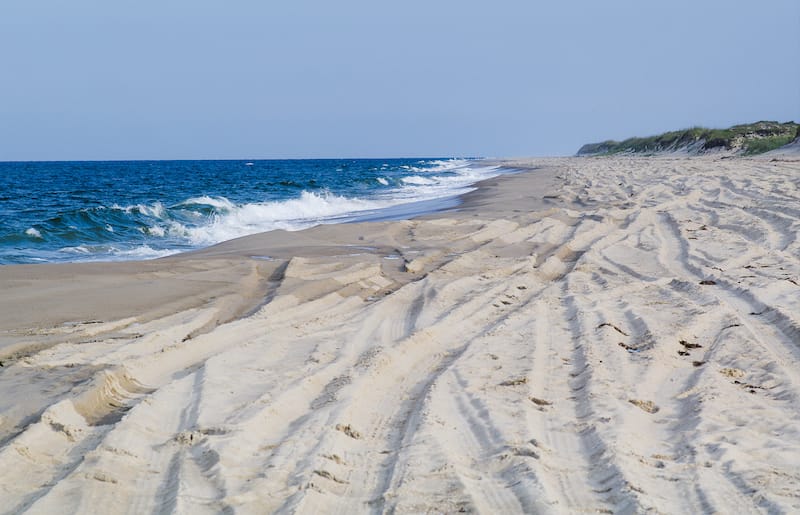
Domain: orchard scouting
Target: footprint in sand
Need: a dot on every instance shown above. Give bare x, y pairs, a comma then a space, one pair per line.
334, 458
614, 327
648, 406
348, 430
515, 382
734, 373
688, 345
328, 475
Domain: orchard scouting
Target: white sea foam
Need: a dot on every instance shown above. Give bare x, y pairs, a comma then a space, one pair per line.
416, 179
80, 249
218, 203
155, 210
443, 179
206, 220
155, 231
106, 252
142, 252
233, 221
203, 219
439, 165
438, 180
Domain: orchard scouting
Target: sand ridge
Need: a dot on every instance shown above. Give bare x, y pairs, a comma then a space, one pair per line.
594, 335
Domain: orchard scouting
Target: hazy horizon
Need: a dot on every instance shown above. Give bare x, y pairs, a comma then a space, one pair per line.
88, 80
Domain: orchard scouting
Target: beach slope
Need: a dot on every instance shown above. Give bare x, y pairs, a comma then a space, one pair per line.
613, 334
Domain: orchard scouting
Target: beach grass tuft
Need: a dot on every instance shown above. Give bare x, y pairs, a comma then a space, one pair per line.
747, 139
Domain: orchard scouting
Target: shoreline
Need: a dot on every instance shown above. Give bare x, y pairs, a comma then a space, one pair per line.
137, 226
73, 279
615, 334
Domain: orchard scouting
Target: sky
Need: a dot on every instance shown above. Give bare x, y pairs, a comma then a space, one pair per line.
203, 79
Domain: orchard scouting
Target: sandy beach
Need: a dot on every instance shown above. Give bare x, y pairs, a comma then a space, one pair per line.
612, 335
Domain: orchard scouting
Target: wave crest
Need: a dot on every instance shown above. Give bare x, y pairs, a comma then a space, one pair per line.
294, 214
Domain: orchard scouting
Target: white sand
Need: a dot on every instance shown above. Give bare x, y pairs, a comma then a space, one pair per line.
600, 335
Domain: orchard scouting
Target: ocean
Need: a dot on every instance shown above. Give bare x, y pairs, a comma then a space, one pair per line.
131, 210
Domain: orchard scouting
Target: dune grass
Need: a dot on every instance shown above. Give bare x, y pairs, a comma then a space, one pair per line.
749, 139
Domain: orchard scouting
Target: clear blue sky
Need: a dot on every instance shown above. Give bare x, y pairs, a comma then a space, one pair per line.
164, 79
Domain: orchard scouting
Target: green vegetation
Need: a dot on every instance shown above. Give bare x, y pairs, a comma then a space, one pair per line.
748, 139
759, 146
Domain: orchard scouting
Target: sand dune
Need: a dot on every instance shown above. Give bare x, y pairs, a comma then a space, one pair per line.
595, 335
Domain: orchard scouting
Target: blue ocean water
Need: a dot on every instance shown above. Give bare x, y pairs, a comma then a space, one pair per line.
127, 210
